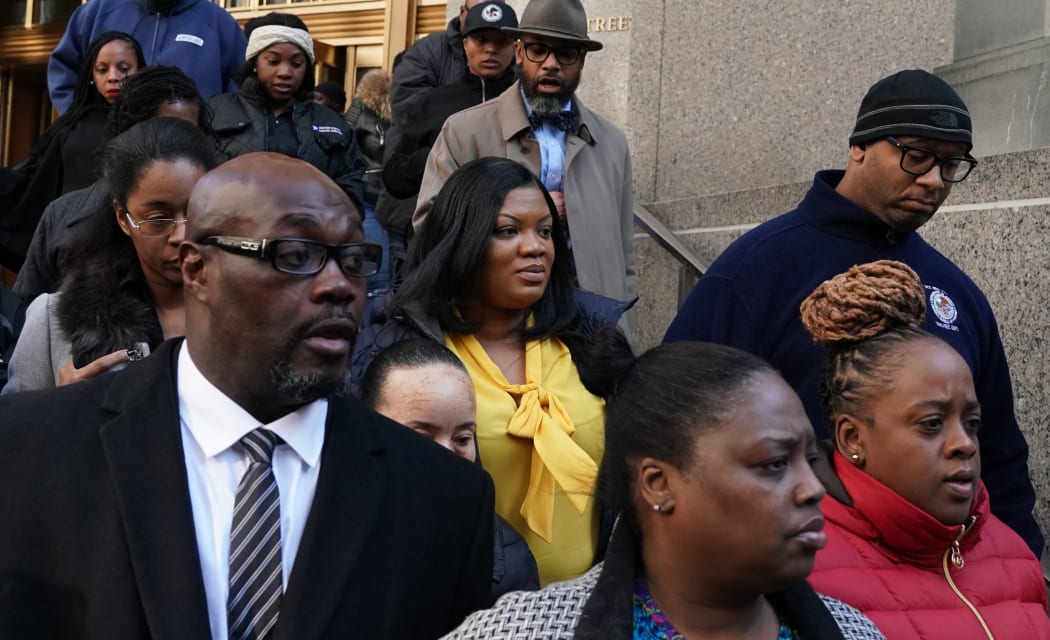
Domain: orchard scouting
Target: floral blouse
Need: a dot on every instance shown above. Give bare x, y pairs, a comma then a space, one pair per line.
650, 623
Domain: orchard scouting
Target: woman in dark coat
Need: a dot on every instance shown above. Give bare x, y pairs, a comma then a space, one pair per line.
63, 159
121, 295
275, 110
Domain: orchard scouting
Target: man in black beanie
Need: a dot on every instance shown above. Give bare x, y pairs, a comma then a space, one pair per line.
910, 144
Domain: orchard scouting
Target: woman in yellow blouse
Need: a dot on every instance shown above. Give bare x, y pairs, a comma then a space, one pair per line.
490, 275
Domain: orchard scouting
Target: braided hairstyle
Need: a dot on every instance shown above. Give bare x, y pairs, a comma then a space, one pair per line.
143, 93
864, 317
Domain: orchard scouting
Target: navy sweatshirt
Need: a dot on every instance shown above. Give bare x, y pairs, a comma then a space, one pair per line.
750, 298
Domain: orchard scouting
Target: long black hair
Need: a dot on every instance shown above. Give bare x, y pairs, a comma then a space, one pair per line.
446, 253
86, 96
123, 162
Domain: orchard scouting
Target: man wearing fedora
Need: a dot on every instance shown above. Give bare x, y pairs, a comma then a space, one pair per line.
581, 157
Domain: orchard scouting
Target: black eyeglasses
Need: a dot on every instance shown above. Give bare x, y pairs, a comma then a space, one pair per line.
305, 257
538, 52
918, 161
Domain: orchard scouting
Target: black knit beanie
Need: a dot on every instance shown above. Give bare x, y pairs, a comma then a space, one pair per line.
913, 103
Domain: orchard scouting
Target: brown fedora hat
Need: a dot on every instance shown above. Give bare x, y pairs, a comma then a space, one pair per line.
562, 19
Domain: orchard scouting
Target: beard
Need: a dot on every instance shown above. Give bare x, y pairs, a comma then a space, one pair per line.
306, 386
546, 104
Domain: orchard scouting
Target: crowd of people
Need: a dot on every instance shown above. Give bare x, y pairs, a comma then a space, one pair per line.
279, 366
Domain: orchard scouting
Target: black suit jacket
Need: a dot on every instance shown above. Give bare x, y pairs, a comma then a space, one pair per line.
97, 537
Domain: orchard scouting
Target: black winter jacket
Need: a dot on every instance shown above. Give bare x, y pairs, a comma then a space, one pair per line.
325, 139
370, 133
56, 237
403, 172
432, 61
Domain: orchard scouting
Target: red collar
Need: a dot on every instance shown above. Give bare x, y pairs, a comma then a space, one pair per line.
883, 516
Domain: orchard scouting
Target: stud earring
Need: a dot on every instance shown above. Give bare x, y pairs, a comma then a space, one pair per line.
855, 457
656, 507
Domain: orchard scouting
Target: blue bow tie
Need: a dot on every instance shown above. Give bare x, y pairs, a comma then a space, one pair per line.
563, 120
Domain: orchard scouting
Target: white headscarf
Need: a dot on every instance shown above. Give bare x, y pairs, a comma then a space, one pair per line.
269, 35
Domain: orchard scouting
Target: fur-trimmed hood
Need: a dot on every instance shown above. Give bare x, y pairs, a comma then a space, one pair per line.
104, 307
374, 92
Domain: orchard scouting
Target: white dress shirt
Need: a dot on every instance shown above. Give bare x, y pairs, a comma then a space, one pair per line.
212, 427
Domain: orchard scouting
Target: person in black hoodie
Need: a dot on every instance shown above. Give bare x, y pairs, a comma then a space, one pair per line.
490, 70
63, 159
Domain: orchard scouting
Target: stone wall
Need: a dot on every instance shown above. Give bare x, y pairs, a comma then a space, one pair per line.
994, 226
731, 107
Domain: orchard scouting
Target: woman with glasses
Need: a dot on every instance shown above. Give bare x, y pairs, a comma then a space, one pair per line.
488, 275
121, 295
911, 539
154, 92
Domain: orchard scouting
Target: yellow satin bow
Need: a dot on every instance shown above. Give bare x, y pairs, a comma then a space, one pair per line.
555, 457
541, 418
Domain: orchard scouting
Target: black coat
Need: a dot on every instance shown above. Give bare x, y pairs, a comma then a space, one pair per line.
56, 237
403, 172
325, 140
63, 160
12, 317
98, 533
370, 132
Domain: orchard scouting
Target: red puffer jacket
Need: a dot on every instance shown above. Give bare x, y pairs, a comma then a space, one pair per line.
917, 578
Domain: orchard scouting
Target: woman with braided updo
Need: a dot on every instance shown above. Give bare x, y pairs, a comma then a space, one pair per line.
911, 540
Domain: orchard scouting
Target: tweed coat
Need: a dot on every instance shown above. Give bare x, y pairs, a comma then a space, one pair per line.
598, 606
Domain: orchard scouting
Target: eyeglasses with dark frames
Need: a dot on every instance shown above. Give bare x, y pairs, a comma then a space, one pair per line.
153, 227
302, 257
538, 52
918, 161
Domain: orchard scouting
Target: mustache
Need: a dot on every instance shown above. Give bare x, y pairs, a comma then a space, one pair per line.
306, 326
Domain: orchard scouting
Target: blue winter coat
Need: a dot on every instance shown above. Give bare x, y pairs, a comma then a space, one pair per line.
199, 37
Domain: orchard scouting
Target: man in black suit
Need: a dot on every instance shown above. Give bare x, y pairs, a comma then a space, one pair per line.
119, 496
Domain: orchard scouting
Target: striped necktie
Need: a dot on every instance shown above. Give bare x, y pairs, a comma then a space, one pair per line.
255, 544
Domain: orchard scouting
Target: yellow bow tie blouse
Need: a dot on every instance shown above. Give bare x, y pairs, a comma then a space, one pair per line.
542, 452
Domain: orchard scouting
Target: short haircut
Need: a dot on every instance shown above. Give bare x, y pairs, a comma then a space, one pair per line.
407, 354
